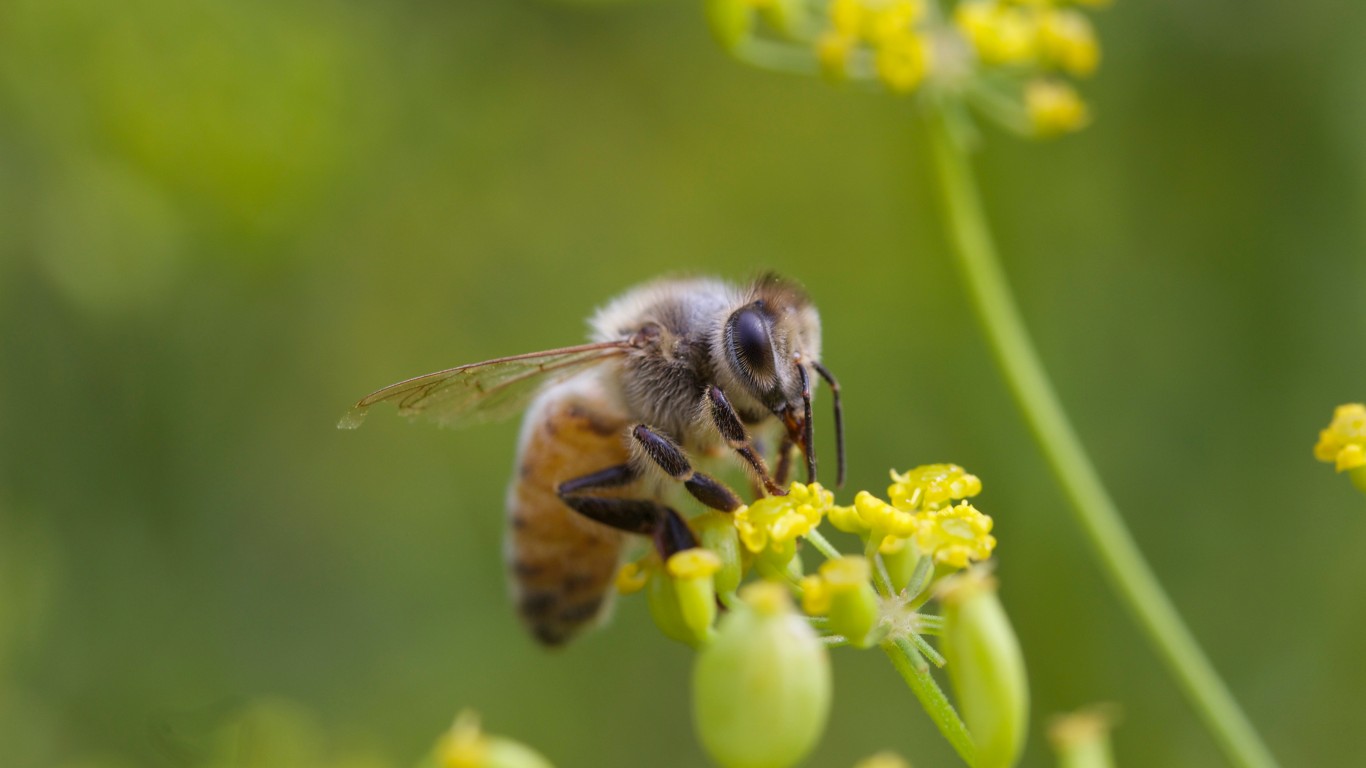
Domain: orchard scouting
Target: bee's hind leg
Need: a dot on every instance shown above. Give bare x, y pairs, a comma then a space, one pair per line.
668, 530
728, 423
670, 458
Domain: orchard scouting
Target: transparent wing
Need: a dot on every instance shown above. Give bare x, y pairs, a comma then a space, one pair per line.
487, 391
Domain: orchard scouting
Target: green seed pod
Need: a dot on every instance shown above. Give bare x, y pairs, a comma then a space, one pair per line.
986, 668
761, 689
854, 609
731, 21
717, 533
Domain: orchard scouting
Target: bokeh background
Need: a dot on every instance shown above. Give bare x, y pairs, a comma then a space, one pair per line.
221, 221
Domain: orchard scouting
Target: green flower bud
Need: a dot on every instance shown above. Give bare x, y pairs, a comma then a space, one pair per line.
1358, 477
901, 561
883, 760
761, 689
1082, 739
789, 17
662, 597
692, 572
986, 668
466, 746
717, 532
853, 603
731, 21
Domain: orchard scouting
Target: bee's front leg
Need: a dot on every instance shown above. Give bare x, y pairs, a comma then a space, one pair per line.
668, 530
728, 423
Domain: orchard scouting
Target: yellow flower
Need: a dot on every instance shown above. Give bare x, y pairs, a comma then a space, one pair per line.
774, 523
632, 577
1068, 40
1344, 441
902, 60
1054, 108
892, 21
1000, 34
871, 515
847, 17
931, 485
954, 535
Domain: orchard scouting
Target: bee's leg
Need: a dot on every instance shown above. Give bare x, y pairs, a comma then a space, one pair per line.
662, 524
728, 423
784, 461
669, 457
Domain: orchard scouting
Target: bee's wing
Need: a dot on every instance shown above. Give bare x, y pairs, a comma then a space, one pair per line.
487, 391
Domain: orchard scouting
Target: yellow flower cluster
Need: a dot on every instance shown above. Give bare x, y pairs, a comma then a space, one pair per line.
921, 512
901, 53
1033, 34
774, 523
1036, 35
1344, 441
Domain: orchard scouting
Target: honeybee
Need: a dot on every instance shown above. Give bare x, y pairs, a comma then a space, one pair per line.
678, 371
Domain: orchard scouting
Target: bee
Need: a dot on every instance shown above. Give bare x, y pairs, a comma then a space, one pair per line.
678, 372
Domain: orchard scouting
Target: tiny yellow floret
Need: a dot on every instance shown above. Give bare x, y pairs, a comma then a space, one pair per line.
774, 523
464, 745
1001, 34
931, 485
695, 563
954, 536
902, 60
1067, 39
1054, 108
815, 595
847, 17
631, 578
848, 572
1344, 441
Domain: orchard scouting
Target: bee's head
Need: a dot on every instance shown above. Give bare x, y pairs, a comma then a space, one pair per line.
768, 348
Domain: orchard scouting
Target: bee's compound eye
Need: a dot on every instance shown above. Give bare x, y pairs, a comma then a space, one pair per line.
749, 338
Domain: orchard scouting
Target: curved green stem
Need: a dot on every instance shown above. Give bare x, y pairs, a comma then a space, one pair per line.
1119, 556
916, 672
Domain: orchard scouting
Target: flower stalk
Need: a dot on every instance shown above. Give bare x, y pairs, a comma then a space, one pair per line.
1119, 556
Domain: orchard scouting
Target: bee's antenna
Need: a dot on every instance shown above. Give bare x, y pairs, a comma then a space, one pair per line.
839, 417
808, 438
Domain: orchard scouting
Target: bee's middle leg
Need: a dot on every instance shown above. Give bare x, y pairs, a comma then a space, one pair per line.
668, 529
670, 458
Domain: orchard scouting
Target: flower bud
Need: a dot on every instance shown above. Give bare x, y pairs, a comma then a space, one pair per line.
1082, 739
883, 760
466, 746
985, 667
662, 596
901, 559
731, 21
761, 688
692, 571
716, 530
854, 606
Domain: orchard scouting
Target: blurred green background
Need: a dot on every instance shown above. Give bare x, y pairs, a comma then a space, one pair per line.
222, 221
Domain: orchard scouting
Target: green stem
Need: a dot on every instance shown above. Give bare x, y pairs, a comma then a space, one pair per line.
916, 672
823, 545
1119, 556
